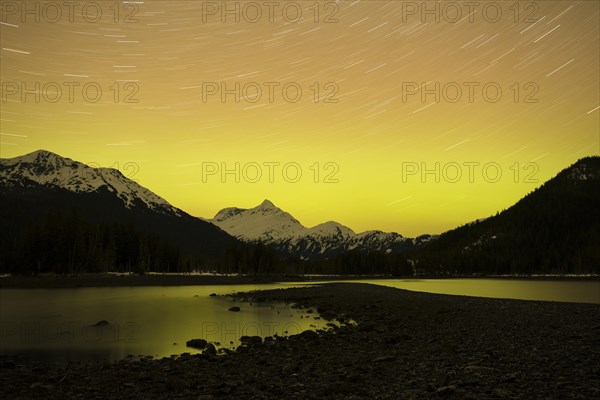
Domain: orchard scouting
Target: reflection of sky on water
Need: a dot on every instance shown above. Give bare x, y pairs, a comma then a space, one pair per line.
58, 324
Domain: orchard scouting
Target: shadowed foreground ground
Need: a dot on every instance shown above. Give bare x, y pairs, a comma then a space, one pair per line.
406, 345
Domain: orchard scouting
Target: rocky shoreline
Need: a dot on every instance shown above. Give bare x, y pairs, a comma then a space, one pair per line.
405, 345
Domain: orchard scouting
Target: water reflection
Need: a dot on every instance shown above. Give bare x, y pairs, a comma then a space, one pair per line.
59, 325
563, 291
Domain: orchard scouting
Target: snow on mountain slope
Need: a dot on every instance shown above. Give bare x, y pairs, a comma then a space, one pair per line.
265, 222
228, 213
377, 240
49, 169
273, 226
583, 172
331, 229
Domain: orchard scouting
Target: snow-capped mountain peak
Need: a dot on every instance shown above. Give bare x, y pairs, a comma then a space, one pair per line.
271, 225
49, 169
267, 205
265, 222
331, 228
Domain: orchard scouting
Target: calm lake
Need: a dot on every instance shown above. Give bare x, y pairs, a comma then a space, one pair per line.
523, 289
57, 325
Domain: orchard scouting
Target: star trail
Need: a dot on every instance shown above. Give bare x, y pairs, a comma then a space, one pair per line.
397, 115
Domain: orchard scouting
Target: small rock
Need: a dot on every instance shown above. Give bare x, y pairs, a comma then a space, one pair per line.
446, 389
251, 340
476, 369
102, 323
234, 309
384, 358
178, 384
563, 383
41, 385
212, 295
308, 335
442, 379
196, 343
511, 377
210, 349
502, 393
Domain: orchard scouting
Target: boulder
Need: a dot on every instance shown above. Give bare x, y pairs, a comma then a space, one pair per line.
196, 343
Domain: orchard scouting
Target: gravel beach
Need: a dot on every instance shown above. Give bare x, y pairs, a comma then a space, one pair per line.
405, 345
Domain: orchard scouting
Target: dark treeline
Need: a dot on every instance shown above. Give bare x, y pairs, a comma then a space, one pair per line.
361, 262
536, 249
66, 243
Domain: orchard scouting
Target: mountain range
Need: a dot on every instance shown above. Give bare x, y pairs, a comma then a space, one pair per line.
61, 215
105, 194
276, 228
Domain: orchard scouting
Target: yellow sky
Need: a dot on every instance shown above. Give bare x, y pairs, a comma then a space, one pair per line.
357, 120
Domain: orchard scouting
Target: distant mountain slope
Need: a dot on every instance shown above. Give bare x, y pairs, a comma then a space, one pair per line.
265, 222
51, 170
555, 229
276, 228
44, 185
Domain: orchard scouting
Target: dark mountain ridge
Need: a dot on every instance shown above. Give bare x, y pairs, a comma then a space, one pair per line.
41, 187
553, 230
